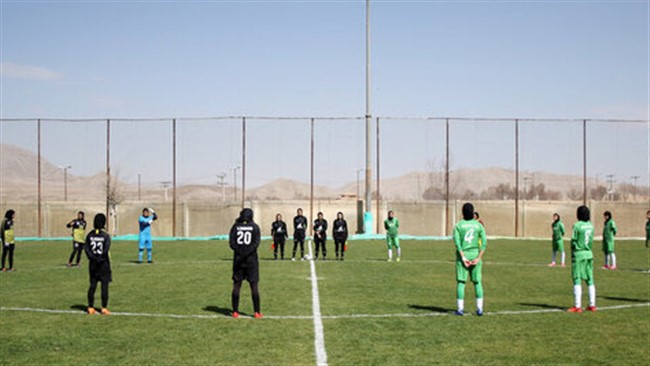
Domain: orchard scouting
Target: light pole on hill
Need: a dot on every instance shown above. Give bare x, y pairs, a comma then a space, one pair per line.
65, 181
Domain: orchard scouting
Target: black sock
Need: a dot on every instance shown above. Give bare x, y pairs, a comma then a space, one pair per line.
235, 296
104, 294
256, 296
91, 293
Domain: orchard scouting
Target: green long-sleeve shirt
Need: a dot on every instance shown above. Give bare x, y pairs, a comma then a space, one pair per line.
609, 231
558, 231
392, 227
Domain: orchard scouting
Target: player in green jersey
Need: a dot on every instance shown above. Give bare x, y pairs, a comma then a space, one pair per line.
391, 224
609, 231
558, 239
582, 260
470, 241
647, 229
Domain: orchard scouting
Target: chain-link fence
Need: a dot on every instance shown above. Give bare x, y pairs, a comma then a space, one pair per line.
198, 172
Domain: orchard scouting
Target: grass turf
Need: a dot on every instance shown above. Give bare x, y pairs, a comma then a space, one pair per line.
193, 278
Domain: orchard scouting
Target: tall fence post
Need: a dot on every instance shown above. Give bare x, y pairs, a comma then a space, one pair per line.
311, 177
516, 178
243, 158
584, 162
40, 192
108, 172
446, 177
378, 181
174, 177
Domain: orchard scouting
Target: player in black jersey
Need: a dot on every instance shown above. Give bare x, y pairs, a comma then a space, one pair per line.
244, 240
280, 235
340, 234
320, 235
97, 245
299, 230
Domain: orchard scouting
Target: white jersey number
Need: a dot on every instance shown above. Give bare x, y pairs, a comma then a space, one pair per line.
97, 247
469, 236
587, 236
244, 237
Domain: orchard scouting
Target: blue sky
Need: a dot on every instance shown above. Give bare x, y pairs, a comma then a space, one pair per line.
552, 59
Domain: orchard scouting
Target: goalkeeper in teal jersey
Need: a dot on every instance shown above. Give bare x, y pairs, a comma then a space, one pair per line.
582, 260
558, 239
391, 224
470, 241
609, 231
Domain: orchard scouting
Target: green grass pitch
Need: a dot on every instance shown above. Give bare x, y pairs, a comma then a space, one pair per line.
524, 301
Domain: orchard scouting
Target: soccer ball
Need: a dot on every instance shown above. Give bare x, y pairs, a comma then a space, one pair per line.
306, 257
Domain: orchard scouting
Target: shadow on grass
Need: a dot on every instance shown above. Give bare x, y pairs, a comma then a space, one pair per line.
543, 306
622, 299
219, 310
435, 309
79, 307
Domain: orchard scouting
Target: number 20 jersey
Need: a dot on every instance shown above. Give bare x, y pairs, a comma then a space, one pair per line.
244, 238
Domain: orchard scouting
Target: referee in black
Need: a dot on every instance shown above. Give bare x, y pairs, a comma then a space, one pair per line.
244, 240
97, 245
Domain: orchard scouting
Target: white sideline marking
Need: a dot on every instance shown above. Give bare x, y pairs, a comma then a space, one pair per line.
308, 317
319, 336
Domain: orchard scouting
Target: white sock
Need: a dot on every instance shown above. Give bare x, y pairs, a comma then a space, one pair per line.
390, 254
577, 294
461, 304
613, 259
479, 304
592, 295
607, 259
553, 259
399, 252
563, 258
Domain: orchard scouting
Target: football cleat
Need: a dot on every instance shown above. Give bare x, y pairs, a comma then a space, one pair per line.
459, 313
91, 311
398, 259
235, 314
69, 265
105, 311
479, 312
591, 308
552, 264
575, 310
293, 259
613, 268
4, 269
604, 267
258, 315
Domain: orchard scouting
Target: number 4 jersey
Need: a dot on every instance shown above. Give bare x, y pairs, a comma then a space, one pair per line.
469, 237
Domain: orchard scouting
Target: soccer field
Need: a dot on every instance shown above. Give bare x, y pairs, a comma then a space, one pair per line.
176, 311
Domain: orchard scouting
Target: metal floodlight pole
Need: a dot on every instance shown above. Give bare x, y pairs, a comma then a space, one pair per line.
378, 179
311, 176
65, 181
40, 192
368, 115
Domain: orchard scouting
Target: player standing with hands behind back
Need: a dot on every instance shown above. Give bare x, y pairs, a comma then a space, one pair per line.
145, 222
470, 241
299, 233
244, 240
340, 234
391, 224
97, 245
320, 235
582, 260
609, 231
280, 235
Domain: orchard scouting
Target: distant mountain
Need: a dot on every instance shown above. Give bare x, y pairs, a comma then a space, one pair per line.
18, 176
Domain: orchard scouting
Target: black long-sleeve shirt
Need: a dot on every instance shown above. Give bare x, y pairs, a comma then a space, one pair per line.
340, 229
279, 230
97, 245
299, 225
320, 228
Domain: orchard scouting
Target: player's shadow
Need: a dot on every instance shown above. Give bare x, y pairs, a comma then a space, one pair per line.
435, 309
622, 299
79, 307
543, 306
218, 310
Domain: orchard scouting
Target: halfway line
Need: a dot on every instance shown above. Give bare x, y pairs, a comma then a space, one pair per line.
319, 336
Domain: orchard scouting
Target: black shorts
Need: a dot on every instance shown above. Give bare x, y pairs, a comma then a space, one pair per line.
279, 240
76, 245
100, 272
299, 236
246, 268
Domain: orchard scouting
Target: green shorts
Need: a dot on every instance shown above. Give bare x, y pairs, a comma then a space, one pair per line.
608, 247
582, 270
392, 241
474, 272
558, 245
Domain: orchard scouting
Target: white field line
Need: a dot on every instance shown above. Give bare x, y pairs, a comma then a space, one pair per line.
308, 317
319, 336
